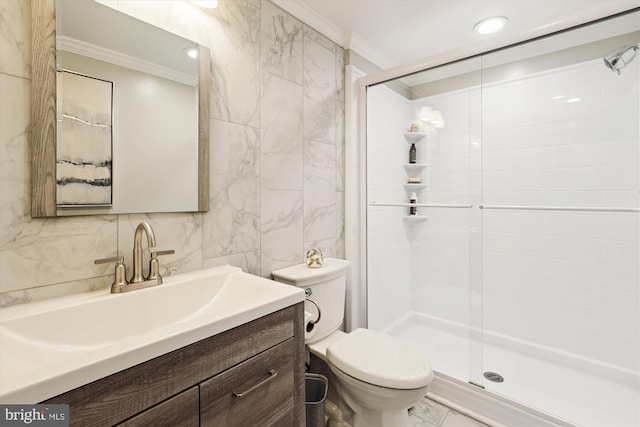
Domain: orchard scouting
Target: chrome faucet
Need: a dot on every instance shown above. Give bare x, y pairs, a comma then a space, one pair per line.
137, 250
138, 280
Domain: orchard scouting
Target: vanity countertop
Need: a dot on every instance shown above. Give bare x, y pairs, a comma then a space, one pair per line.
50, 347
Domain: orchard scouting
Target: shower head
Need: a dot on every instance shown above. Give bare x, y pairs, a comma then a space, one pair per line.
618, 58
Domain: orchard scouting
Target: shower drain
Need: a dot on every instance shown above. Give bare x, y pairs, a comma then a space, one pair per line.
492, 376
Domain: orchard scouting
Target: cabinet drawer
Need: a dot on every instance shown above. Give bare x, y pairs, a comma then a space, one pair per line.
257, 392
180, 410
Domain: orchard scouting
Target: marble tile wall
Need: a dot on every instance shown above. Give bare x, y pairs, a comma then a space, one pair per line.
277, 155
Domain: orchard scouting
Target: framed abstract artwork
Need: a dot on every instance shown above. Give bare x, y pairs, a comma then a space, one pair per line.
84, 140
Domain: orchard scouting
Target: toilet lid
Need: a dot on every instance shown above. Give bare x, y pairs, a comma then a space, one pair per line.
380, 359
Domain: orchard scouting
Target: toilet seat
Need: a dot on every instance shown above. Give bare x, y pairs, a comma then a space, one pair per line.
379, 359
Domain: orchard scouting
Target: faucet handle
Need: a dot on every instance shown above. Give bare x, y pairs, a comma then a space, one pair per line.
158, 253
118, 259
154, 264
120, 279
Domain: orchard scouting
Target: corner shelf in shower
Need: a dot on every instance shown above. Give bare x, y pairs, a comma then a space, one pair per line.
415, 218
415, 187
414, 167
413, 137
413, 171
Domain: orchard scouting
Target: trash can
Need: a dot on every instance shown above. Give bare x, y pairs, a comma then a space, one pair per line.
315, 395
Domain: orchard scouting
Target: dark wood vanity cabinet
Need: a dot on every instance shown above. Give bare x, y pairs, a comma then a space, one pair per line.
180, 410
251, 375
256, 392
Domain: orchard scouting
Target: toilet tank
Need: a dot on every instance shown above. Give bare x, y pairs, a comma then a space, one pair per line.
328, 287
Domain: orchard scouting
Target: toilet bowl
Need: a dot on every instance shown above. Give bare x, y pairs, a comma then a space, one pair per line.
378, 376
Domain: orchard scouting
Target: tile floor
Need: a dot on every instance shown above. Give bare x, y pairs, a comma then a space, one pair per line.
429, 413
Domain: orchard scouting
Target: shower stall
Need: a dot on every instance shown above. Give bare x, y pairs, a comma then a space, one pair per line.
517, 269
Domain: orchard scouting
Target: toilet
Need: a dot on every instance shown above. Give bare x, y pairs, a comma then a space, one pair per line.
378, 376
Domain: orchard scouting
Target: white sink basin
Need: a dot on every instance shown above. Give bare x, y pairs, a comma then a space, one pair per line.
50, 347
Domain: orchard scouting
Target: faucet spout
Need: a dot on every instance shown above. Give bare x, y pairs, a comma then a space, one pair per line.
137, 249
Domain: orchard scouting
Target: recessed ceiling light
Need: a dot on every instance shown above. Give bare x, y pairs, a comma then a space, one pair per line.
490, 25
191, 52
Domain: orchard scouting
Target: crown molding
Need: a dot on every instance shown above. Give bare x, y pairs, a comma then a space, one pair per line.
106, 55
376, 56
347, 40
308, 16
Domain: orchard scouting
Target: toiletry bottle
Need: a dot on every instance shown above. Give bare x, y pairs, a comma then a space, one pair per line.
412, 153
413, 210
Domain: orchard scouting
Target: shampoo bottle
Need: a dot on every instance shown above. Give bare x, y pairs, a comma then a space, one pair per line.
412, 153
413, 210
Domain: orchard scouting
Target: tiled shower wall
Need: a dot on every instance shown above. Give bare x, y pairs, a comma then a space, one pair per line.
563, 280
276, 155
442, 281
389, 237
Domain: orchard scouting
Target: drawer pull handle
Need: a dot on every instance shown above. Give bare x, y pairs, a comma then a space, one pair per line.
272, 375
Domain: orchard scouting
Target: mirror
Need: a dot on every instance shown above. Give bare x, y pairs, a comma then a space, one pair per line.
120, 114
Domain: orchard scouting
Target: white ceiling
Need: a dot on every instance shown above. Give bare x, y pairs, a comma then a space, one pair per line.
396, 32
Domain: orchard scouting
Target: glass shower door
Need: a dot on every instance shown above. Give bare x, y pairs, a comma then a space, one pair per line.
560, 227
423, 282
518, 267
